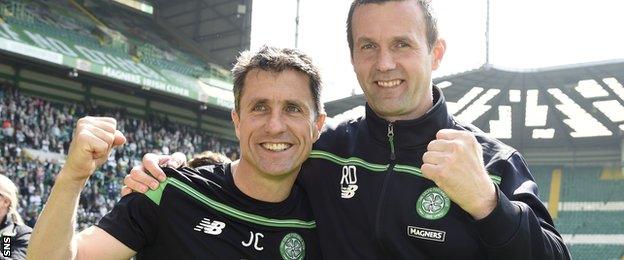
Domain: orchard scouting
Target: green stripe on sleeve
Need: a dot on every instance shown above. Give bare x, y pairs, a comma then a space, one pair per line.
318, 154
408, 169
232, 212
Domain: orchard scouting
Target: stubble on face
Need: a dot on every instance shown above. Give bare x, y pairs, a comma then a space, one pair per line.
276, 124
391, 59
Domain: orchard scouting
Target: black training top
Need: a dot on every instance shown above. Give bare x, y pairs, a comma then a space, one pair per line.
371, 200
200, 214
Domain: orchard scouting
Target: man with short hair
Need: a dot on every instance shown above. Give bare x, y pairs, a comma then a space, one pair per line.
407, 180
243, 210
411, 181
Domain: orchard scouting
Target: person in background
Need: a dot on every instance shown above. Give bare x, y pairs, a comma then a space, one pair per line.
14, 233
208, 158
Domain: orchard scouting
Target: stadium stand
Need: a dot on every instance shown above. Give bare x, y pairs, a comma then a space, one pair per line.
114, 32
32, 124
590, 222
542, 177
596, 252
590, 211
51, 19
151, 47
585, 184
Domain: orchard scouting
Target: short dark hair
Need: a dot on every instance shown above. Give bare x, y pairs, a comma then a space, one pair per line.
208, 158
275, 59
425, 5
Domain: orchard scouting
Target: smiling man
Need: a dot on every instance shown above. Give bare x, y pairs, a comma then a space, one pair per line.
248, 209
407, 180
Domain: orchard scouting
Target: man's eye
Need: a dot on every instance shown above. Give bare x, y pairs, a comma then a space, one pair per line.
402, 45
259, 108
293, 108
367, 46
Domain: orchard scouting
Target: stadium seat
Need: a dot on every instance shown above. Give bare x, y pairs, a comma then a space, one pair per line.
584, 184
542, 175
592, 252
56, 20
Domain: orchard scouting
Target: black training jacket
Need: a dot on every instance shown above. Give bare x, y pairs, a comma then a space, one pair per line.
370, 200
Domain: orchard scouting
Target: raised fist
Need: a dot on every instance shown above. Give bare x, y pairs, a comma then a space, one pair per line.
454, 161
92, 142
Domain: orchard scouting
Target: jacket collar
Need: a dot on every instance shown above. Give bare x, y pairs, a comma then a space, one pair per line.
415, 132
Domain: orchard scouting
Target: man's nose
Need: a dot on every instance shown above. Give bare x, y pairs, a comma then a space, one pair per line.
276, 123
385, 61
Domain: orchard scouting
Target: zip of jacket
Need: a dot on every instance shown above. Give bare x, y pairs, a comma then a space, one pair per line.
382, 195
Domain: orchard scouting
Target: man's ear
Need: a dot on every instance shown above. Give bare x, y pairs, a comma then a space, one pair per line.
236, 120
319, 123
438, 53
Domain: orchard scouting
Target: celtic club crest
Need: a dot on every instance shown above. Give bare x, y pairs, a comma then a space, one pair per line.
433, 204
292, 247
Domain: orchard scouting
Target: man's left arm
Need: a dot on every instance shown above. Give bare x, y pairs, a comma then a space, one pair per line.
512, 221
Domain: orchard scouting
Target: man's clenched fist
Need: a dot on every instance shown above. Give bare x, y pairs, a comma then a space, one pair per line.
92, 142
454, 161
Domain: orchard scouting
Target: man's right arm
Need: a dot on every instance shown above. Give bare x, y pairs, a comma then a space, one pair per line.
53, 236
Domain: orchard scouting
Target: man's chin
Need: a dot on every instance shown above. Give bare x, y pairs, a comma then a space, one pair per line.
279, 171
389, 110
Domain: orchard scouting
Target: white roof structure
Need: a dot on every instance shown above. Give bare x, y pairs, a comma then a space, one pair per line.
565, 109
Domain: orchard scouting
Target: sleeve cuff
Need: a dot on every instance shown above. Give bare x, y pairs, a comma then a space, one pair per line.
502, 224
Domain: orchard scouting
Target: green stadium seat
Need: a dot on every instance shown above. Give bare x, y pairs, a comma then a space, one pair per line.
56, 20
582, 191
590, 222
584, 184
542, 175
593, 252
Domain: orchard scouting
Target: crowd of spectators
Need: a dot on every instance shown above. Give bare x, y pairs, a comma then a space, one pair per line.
31, 123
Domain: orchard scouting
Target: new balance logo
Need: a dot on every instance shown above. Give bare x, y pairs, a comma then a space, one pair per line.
425, 233
348, 182
210, 227
348, 192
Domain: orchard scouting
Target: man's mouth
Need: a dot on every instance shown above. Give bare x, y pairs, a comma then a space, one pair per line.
389, 83
276, 147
